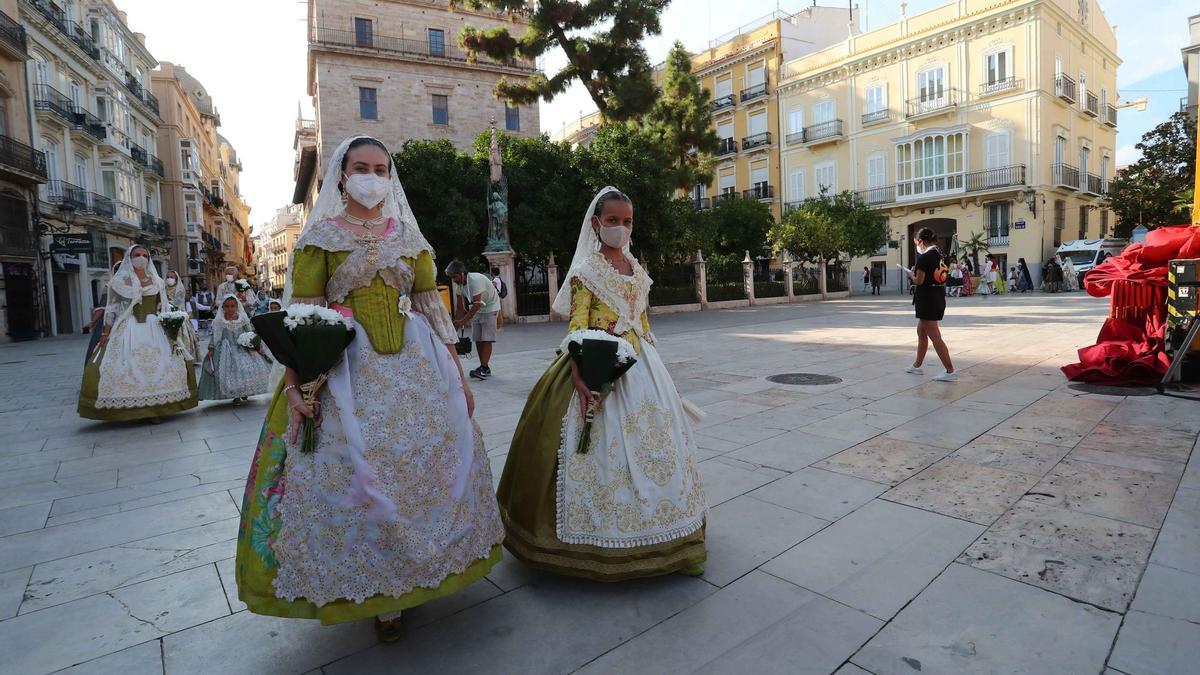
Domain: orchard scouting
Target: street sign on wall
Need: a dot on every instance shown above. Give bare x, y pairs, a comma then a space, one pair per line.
1019, 225
71, 243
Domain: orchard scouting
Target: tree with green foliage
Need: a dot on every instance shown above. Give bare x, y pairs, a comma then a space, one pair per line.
735, 226
602, 40
829, 227
1147, 191
446, 190
681, 122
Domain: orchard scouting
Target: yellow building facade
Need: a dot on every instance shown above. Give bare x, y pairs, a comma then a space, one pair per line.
740, 70
981, 116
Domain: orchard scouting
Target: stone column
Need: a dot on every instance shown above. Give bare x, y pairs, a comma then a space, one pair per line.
821, 279
748, 277
701, 280
788, 275
552, 284
505, 261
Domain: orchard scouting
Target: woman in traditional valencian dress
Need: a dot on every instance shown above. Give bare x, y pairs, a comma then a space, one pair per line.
136, 372
633, 505
395, 507
230, 370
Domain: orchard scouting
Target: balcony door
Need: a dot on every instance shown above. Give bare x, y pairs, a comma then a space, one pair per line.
759, 182
999, 157
931, 89
1084, 156
876, 177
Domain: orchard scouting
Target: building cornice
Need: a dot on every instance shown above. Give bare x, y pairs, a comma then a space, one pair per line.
733, 59
937, 37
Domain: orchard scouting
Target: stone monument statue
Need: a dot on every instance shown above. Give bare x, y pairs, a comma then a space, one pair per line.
497, 196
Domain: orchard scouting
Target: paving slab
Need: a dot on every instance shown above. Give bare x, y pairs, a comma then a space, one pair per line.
969, 621
823, 494
743, 533
963, 489
884, 459
1169, 592
1028, 426
1078, 407
856, 425
144, 659
1079, 555
950, 427
227, 571
1149, 644
1128, 495
23, 518
12, 590
757, 624
1010, 454
877, 558
1179, 539
791, 451
110, 622
725, 479
1143, 441
576, 621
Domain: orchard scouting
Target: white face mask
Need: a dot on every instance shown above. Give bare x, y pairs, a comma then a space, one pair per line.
229, 278
615, 237
170, 282
140, 263
368, 189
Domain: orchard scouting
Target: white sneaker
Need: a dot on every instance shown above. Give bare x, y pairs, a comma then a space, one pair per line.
946, 377
914, 370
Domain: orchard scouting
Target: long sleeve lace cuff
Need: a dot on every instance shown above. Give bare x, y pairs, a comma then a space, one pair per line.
430, 305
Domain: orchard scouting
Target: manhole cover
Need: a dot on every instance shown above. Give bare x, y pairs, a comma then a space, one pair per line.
804, 379
1109, 390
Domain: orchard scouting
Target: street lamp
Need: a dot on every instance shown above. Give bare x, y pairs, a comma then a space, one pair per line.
1030, 197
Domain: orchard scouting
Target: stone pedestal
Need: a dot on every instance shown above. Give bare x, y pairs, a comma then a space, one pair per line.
552, 285
822, 279
748, 277
701, 280
505, 261
788, 275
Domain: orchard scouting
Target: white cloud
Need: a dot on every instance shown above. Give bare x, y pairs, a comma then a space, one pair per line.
1127, 154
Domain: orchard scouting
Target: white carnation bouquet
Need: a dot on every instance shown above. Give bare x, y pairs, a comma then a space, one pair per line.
249, 340
300, 314
172, 324
242, 285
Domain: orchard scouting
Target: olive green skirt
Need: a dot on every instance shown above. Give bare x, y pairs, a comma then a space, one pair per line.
90, 387
528, 500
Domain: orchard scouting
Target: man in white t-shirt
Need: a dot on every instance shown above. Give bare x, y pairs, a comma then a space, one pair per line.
483, 307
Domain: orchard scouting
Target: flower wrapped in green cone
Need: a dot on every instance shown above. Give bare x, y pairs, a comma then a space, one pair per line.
601, 359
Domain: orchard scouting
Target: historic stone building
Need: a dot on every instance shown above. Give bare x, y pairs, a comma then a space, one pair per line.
22, 170
202, 189
978, 117
95, 119
394, 70
740, 71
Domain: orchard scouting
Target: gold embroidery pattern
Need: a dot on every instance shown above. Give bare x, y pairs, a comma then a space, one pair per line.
655, 453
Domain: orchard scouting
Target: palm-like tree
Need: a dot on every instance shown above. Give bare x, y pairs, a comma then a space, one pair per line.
974, 246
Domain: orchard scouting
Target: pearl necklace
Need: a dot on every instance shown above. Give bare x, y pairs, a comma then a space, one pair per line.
368, 223
370, 240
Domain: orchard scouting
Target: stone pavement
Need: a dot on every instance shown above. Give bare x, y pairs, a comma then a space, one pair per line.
883, 524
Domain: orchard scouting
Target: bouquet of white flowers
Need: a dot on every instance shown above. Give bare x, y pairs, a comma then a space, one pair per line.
310, 340
241, 285
249, 340
172, 323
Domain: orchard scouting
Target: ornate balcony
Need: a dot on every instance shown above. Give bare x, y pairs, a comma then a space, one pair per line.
756, 141
757, 91
22, 159
998, 86
998, 240
726, 146
925, 189
1064, 176
12, 38
47, 99
90, 124
823, 132
1091, 105
723, 103
876, 116
1064, 87
760, 191
1096, 186
1110, 115
139, 155
931, 105
701, 203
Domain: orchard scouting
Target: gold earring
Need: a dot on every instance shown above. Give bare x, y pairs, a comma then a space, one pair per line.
345, 199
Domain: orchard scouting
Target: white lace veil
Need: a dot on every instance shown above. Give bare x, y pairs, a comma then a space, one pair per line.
126, 284
329, 205
587, 244
219, 321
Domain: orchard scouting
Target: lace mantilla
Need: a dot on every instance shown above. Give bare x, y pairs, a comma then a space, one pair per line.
628, 297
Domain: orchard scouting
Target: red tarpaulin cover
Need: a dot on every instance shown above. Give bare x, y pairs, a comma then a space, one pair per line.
1129, 349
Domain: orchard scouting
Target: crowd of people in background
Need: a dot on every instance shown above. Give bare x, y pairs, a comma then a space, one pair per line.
1058, 275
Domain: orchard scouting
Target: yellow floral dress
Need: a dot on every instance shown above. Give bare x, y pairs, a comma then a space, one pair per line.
633, 506
395, 409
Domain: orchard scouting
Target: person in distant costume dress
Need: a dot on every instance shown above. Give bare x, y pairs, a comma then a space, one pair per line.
633, 505
229, 370
395, 507
136, 372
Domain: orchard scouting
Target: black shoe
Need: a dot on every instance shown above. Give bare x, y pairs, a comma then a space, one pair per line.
485, 371
478, 374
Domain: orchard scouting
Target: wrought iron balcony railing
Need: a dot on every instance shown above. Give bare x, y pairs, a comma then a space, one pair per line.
701, 203
1000, 177
139, 155
876, 116
726, 146
756, 91
1064, 175
998, 239
756, 141
1110, 115
760, 191
1064, 87
13, 35
724, 102
21, 157
83, 39
923, 189
49, 99
823, 131
90, 124
1091, 105
997, 86
933, 103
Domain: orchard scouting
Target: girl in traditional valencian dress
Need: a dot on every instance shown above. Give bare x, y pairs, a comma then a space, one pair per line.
633, 505
395, 507
231, 370
136, 372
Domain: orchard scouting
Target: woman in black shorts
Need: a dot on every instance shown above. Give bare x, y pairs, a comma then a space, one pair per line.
928, 277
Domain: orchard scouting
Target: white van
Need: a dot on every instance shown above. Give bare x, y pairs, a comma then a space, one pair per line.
1085, 254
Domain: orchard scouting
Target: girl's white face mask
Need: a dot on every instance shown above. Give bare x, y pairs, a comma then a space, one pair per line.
229, 278
170, 281
367, 188
140, 263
